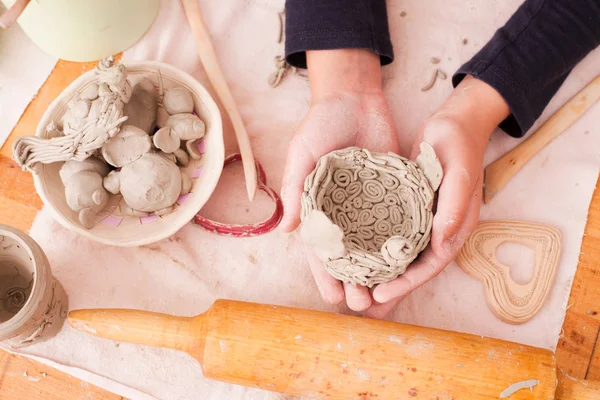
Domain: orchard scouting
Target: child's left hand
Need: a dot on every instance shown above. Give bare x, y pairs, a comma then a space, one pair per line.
459, 132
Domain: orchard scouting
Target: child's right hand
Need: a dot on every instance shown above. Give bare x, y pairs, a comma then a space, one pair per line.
459, 132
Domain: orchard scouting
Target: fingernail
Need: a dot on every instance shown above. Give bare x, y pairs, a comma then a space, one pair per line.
379, 298
448, 244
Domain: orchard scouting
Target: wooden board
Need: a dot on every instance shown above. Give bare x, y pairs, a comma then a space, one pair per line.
577, 353
24, 379
575, 389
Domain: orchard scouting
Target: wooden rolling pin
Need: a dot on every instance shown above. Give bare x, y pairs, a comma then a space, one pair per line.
498, 173
323, 355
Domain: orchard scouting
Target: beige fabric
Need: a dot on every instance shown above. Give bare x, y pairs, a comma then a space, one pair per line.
184, 274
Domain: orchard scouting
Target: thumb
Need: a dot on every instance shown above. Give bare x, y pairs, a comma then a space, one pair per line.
299, 164
457, 191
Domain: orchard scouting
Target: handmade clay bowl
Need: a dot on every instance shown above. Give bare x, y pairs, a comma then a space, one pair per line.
33, 305
368, 215
136, 231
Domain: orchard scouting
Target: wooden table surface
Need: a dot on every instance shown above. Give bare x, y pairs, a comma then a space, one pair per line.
25, 379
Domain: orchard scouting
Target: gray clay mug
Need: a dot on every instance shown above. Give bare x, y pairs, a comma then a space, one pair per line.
33, 305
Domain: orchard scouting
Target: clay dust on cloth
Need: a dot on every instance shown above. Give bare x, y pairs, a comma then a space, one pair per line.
186, 273
23, 70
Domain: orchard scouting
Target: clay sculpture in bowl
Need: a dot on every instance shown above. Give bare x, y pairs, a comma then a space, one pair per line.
366, 215
109, 166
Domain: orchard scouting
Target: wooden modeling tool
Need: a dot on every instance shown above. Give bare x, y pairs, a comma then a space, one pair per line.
322, 355
498, 173
217, 79
10, 16
512, 302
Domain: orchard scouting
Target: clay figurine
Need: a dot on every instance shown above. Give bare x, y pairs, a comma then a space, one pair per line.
366, 215
181, 124
94, 116
149, 182
84, 190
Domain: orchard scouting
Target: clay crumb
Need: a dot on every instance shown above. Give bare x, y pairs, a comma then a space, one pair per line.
515, 387
465, 41
403, 14
280, 15
436, 74
435, 60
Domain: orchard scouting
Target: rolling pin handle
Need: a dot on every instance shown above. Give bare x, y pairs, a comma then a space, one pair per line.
142, 327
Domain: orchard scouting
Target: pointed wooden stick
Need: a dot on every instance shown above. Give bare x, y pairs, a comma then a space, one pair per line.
10, 16
217, 79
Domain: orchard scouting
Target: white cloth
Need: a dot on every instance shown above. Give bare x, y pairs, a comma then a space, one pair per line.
184, 274
23, 70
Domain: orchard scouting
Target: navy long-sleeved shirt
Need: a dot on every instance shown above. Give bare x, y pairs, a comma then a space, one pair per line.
526, 61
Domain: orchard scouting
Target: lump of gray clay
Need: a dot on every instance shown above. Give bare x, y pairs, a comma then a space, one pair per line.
178, 100
152, 183
84, 190
142, 107
366, 215
130, 144
90, 92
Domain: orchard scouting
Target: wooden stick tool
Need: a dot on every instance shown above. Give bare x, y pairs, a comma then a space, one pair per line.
498, 173
322, 355
218, 82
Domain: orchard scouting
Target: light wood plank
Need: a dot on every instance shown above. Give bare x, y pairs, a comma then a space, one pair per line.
25, 379
575, 350
593, 372
575, 389
16, 214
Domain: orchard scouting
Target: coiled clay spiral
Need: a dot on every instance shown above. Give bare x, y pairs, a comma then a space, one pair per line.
368, 215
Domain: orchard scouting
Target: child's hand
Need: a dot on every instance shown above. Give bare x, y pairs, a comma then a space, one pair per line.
348, 108
459, 132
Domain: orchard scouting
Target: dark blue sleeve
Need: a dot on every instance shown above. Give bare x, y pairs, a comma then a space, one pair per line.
336, 24
528, 59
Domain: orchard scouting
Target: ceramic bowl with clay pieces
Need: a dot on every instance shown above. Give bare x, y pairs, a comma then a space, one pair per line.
110, 227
